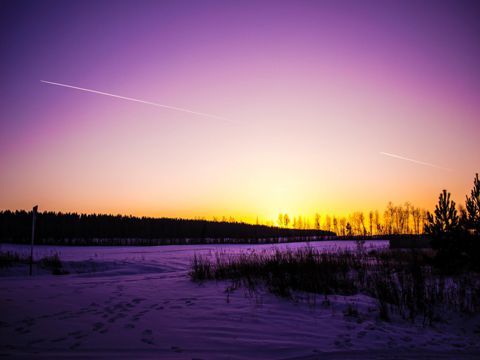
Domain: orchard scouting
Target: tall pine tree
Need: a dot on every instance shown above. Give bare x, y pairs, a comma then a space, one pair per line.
445, 218
471, 214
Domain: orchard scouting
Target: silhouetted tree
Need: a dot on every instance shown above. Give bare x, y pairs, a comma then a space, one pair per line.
370, 222
317, 221
328, 223
378, 226
416, 214
343, 223
335, 225
471, 214
443, 227
349, 229
388, 216
470, 223
280, 220
362, 222
445, 218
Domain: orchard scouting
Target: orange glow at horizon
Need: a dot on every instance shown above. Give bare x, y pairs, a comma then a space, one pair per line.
315, 93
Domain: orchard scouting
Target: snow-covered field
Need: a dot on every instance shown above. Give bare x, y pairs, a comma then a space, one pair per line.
138, 302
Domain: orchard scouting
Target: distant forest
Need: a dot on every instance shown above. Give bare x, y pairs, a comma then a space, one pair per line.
394, 221
80, 229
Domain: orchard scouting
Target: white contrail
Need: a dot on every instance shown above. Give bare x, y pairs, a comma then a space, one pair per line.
138, 100
414, 161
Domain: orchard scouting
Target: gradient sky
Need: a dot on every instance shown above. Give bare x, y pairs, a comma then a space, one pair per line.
315, 90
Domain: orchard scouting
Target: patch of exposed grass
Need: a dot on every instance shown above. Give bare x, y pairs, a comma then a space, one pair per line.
403, 282
9, 259
51, 263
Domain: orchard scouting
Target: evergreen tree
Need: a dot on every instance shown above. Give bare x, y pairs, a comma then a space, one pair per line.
456, 239
471, 226
445, 218
471, 214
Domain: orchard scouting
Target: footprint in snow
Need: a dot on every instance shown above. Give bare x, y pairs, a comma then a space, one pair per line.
73, 333
58, 339
361, 334
29, 322
177, 349
343, 341
75, 345
22, 330
147, 337
97, 326
36, 341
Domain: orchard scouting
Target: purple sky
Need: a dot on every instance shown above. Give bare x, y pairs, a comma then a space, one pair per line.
315, 91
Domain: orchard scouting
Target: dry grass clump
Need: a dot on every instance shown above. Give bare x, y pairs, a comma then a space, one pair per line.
404, 282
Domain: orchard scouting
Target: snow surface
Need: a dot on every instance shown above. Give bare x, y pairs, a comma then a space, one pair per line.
138, 302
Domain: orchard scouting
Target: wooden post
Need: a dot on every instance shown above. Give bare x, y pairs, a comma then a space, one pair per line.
34, 216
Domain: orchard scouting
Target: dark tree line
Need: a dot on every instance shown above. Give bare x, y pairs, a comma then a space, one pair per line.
57, 228
400, 219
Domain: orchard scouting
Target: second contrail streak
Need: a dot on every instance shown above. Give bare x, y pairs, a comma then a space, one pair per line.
414, 161
138, 100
